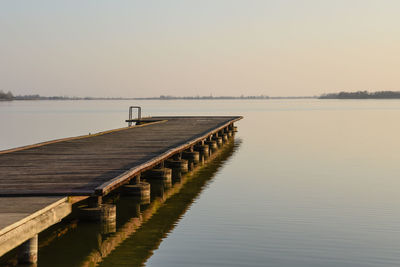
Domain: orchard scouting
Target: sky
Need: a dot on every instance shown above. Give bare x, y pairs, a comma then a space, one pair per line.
210, 47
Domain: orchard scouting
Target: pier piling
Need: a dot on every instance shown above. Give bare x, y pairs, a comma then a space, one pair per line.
164, 174
203, 150
28, 251
193, 157
178, 164
140, 189
212, 145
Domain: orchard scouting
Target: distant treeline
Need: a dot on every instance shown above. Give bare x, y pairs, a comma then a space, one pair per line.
169, 97
362, 95
9, 96
38, 97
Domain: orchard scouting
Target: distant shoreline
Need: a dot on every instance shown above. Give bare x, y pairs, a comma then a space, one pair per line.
362, 95
183, 99
341, 95
62, 98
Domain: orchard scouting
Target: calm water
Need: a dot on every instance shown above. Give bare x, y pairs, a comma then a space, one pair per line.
306, 183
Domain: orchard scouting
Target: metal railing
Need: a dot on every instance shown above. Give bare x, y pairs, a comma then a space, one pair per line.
139, 117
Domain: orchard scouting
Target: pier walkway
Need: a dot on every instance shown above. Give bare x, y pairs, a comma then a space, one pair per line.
36, 180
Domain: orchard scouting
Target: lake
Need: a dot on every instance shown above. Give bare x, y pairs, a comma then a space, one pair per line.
305, 183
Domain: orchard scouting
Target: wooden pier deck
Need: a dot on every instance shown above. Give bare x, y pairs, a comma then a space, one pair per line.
83, 166
36, 180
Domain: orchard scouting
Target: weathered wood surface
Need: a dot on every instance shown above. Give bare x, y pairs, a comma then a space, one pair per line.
77, 166
21, 218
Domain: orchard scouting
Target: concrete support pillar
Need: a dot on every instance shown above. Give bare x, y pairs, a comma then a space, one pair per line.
177, 176
204, 151
190, 166
96, 211
167, 184
212, 145
159, 187
138, 213
181, 165
164, 174
102, 213
225, 138
141, 190
28, 251
143, 200
176, 173
105, 214
219, 141
203, 159
108, 218
192, 156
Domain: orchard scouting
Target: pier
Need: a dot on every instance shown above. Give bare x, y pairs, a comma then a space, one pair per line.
40, 184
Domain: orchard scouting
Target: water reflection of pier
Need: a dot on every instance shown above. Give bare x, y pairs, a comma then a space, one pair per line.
141, 224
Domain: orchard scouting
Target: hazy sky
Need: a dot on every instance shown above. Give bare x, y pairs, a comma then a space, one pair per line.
220, 47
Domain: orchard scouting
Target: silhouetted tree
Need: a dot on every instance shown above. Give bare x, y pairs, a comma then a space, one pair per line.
6, 96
